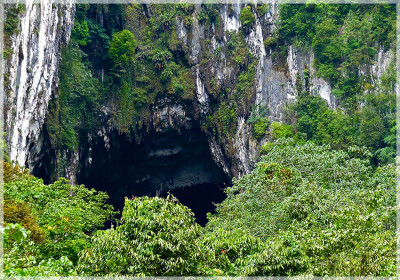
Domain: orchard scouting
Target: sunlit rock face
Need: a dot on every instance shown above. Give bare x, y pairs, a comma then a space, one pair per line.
276, 83
32, 82
32, 74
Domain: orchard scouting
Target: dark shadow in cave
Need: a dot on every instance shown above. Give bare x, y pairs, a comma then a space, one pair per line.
43, 158
165, 161
200, 199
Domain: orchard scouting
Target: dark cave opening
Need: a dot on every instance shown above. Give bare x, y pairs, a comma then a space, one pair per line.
200, 199
179, 163
42, 158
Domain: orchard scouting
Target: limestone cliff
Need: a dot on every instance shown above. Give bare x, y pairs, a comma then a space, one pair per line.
33, 74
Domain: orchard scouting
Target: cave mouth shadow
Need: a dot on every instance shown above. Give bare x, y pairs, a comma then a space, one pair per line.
164, 162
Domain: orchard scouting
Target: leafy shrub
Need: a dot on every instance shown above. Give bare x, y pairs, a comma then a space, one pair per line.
188, 21
260, 128
122, 48
371, 128
266, 148
22, 257
13, 233
224, 120
107, 254
80, 33
311, 210
270, 42
281, 130
160, 58
247, 17
227, 252
126, 107
156, 237
324, 126
246, 80
263, 9
237, 48
13, 172
212, 12
202, 17
65, 212
166, 75
19, 213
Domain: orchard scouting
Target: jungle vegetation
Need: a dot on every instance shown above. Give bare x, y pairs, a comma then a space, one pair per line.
320, 201
305, 209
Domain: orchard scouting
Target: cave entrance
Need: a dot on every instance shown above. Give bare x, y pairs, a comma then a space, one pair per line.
180, 163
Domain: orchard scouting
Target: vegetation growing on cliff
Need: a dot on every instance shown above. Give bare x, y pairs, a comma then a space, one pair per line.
127, 68
372, 126
344, 38
76, 109
128, 62
13, 12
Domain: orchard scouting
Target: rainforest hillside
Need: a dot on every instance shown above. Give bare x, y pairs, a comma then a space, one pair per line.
126, 124
304, 210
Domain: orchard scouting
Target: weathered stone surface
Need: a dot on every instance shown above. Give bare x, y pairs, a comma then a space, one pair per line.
33, 70
32, 73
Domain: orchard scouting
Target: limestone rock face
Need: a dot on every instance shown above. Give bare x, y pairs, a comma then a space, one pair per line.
275, 86
32, 73
32, 81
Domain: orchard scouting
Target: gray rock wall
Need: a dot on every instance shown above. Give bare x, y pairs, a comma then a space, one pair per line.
32, 72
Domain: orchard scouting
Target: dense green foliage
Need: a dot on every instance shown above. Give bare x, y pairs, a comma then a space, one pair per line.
259, 121
247, 17
281, 130
122, 48
373, 126
260, 128
344, 39
156, 237
12, 19
57, 219
329, 208
304, 210
79, 100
